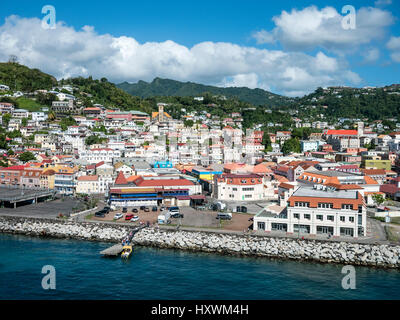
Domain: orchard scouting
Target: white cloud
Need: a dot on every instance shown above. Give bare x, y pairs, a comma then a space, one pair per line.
312, 27
263, 36
66, 52
371, 55
394, 46
382, 3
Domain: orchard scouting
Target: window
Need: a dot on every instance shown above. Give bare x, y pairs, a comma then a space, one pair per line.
307, 216
302, 204
248, 189
331, 218
296, 215
351, 219
342, 218
325, 205
347, 206
320, 217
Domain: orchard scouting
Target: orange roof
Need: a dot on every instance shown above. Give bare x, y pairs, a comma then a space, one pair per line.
261, 168
371, 172
286, 185
281, 178
369, 180
337, 202
132, 178
339, 186
88, 178
121, 179
342, 132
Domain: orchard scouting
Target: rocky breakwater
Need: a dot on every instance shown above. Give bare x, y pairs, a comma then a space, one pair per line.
63, 229
312, 250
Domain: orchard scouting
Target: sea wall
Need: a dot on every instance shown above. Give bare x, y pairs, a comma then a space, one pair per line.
309, 250
63, 229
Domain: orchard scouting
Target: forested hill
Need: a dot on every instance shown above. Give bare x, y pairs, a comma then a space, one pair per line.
167, 87
368, 102
21, 78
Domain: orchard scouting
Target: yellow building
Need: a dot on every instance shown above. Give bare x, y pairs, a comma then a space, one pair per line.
376, 164
47, 179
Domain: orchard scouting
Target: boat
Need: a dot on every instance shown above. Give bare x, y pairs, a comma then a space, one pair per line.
126, 251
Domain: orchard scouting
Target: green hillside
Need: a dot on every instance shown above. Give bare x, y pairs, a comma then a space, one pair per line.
101, 91
21, 78
167, 87
335, 102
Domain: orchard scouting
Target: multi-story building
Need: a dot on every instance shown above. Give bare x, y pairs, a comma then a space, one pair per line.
31, 177
99, 154
65, 180
87, 185
342, 139
318, 211
6, 107
238, 187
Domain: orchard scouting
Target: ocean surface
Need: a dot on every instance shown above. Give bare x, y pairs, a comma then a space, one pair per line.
82, 273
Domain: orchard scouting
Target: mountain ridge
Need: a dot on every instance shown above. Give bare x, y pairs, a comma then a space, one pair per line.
169, 87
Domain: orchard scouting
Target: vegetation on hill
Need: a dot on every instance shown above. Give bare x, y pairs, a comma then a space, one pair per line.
21, 78
103, 92
370, 103
167, 87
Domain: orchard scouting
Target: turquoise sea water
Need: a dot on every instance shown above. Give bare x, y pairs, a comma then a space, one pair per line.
81, 273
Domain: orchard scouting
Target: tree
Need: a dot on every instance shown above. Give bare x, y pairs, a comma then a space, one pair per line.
24, 122
66, 122
378, 199
372, 145
188, 123
291, 145
46, 99
266, 141
26, 156
93, 140
51, 115
6, 119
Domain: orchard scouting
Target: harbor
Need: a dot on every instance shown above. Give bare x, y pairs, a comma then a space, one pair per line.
153, 273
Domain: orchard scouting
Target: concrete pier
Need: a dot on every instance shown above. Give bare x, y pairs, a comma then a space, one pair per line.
113, 251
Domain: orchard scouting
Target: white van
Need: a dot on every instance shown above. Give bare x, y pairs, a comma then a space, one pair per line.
164, 218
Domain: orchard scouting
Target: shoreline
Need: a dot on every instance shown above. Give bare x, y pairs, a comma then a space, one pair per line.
378, 256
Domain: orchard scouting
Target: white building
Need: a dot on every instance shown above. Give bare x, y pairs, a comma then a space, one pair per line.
100, 154
318, 211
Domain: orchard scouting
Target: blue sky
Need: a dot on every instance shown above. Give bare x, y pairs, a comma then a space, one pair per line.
129, 41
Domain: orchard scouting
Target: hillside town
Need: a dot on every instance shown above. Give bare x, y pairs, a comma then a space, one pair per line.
333, 185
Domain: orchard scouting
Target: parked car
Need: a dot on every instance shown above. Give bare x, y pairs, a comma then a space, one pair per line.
135, 210
135, 218
118, 216
177, 215
99, 214
146, 209
224, 215
129, 216
154, 209
124, 210
142, 207
173, 210
108, 209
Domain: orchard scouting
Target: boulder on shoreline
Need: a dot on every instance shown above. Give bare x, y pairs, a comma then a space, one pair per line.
282, 248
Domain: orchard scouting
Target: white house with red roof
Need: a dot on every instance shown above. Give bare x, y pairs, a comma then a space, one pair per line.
342, 139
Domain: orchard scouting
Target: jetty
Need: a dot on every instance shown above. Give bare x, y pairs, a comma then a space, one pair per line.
116, 249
